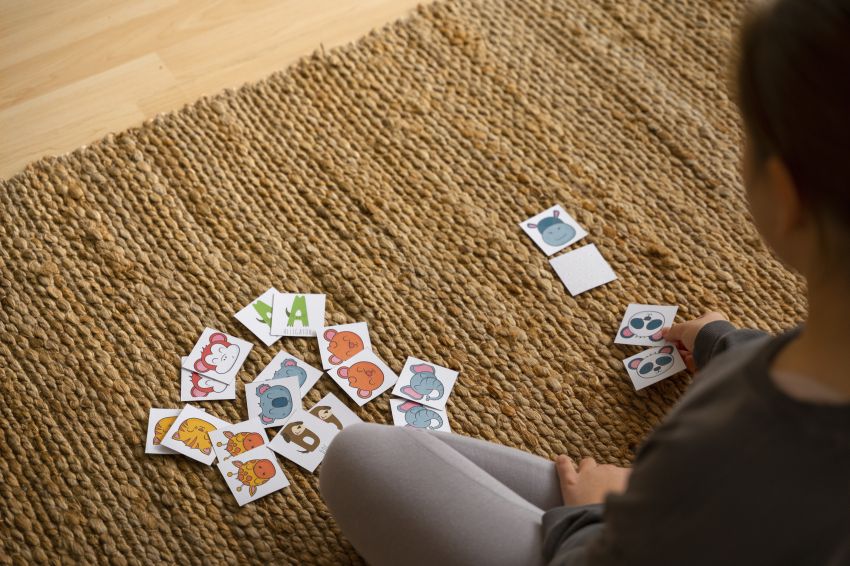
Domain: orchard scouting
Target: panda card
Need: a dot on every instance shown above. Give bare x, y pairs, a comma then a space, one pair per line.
273, 402
642, 324
333, 411
197, 387
338, 343
409, 413
653, 365
363, 377
285, 364
297, 314
425, 383
253, 474
257, 317
218, 355
238, 438
553, 230
304, 440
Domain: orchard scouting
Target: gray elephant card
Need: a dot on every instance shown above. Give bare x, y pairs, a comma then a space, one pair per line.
304, 440
285, 364
412, 414
654, 365
273, 402
553, 229
425, 382
642, 324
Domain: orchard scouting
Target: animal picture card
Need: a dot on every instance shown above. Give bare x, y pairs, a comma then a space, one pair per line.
582, 269
297, 314
364, 376
272, 402
553, 229
333, 411
257, 317
159, 421
304, 440
285, 365
253, 474
425, 383
197, 387
238, 438
653, 365
642, 324
410, 413
189, 434
339, 343
218, 355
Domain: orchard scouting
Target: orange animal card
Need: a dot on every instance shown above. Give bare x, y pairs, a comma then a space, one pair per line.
364, 376
339, 343
253, 474
189, 434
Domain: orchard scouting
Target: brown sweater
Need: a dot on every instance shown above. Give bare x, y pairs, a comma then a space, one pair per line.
737, 473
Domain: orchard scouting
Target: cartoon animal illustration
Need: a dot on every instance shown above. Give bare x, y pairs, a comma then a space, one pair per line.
275, 402
326, 414
298, 312
297, 433
554, 231
645, 324
162, 426
417, 416
424, 383
342, 345
194, 433
203, 386
219, 355
365, 376
253, 473
288, 368
240, 442
655, 364
264, 311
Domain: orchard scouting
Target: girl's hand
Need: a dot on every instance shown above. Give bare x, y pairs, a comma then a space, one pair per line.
591, 482
684, 335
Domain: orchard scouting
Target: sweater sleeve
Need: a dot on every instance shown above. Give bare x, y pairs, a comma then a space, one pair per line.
567, 532
717, 337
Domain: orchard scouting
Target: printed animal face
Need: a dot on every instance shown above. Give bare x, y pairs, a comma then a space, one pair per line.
288, 368
342, 345
219, 355
365, 376
554, 231
194, 433
654, 365
264, 469
275, 402
203, 386
161, 428
646, 324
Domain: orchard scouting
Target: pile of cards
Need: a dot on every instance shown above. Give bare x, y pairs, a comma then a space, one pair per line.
641, 326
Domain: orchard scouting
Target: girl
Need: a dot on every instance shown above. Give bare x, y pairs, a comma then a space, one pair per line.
752, 466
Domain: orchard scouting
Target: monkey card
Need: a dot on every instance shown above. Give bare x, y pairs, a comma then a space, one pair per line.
553, 229
197, 387
274, 401
257, 317
253, 474
238, 438
425, 383
159, 421
304, 440
285, 364
412, 414
218, 355
653, 365
333, 411
297, 314
642, 324
363, 376
339, 343
189, 434
582, 269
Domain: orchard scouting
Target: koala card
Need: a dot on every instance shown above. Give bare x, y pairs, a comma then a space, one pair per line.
553, 229
274, 401
642, 324
425, 383
339, 343
197, 387
238, 438
189, 434
653, 365
304, 440
285, 365
218, 355
253, 474
159, 421
333, 411
297, 314
410, 413
582, 269
257, 317
363, 377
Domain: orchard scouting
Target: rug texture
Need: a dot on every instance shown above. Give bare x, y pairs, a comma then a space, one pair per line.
391, 175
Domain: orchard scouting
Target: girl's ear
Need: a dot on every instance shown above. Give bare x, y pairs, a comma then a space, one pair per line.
790, 213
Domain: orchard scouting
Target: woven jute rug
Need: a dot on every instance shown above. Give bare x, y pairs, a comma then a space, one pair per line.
391, 175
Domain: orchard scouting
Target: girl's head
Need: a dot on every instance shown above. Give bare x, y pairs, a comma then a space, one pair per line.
793, 81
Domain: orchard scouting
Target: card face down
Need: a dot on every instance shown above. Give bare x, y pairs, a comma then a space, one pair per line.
642, 324
285, 364
582, 269
197, 387
339, 343
334, 412
189, 434
304, 440
553, 229
253, 474
236, 439
409, 413
274, 401
363, 377
425, 383
159, 421
257, 317
297, 314
654, 365
218, 355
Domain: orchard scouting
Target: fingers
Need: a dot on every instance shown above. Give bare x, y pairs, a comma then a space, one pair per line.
585, 464
565, 468
673, 333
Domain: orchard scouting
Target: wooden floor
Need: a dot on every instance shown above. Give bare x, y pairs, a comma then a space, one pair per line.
72, 71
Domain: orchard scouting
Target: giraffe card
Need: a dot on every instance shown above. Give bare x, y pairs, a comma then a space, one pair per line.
189, 434
218, 355
197, 387
285, 364
257, 317
274, 401
304, 440
364, 376
654, 365
642, 324
425, 382
553, 229
237, 438
334, 412
338, 343
297, 314
253, 474
412, 414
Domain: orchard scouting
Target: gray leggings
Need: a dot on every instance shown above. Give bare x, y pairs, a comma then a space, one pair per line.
405, 496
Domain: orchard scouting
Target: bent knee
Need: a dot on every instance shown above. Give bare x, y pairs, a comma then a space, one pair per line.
353, 455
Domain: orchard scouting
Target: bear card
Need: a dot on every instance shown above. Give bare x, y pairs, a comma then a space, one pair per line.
653, 365
237, 439
304, 440
642, 324
425, 383
553, 229
363, 376
334, 412
159, 421
412, 414
197, 387
297, 314
273, 402
253, 474
218, 355
189, 434
257, 317
583, 269
285, 364
339, 343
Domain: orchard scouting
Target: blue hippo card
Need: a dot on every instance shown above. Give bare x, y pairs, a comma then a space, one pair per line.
425, 382
553, 230
412, 414
273, 402
285, 364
